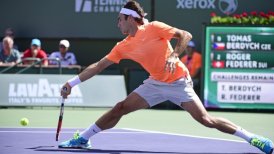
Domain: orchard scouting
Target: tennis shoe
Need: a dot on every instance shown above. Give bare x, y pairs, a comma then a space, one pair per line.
77, 142
264, 144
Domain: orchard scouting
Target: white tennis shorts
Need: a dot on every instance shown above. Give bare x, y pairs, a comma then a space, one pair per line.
155, 92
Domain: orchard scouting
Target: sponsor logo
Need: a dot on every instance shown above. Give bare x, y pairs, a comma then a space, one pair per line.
195, 4
42, 92
99, 6
225, 6
228, 6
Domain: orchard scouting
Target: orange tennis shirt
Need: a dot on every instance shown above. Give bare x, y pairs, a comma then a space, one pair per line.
150, 47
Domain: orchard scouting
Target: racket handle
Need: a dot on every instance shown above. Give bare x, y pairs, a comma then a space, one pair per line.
65, 89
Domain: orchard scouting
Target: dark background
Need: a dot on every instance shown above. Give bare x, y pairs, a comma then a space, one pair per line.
93, 34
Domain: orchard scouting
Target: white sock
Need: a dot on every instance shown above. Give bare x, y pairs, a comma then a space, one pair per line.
242, 133
90, 131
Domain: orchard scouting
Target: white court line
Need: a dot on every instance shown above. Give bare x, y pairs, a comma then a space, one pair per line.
135, 131
184, 135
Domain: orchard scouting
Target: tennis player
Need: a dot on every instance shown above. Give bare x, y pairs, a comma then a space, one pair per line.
149, 45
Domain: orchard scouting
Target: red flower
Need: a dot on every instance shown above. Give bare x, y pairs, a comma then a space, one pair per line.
213, 14
262, 14
270, 13
244, 14
254, 13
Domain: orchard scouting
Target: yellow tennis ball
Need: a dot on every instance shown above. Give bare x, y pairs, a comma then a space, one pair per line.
24, 122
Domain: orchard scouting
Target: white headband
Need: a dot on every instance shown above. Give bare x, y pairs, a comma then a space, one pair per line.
130, 12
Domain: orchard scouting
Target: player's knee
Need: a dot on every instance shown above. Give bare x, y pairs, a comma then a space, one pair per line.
119, 109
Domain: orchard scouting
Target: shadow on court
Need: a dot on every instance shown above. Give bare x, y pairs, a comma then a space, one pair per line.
117, 141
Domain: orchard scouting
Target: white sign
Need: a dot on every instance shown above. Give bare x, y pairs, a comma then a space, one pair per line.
242, 77
44, 90
245, 92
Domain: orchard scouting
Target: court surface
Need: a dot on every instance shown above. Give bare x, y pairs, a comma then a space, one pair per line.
117, 141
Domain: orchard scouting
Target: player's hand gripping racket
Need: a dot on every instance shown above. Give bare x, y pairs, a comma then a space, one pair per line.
60, 116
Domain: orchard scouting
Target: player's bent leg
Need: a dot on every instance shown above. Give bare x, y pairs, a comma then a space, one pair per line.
199, 113
132, 103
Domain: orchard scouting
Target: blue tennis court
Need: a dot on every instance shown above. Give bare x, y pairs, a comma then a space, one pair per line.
117, 141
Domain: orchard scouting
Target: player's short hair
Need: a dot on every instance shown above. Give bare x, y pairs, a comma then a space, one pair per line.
133, 5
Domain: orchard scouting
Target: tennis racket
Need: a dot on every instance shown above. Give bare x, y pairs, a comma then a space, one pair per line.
60, 117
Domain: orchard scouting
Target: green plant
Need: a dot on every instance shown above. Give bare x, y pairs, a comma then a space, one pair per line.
253, 18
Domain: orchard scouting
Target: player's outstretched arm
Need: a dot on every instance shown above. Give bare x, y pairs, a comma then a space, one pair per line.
89, 72
94, 69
